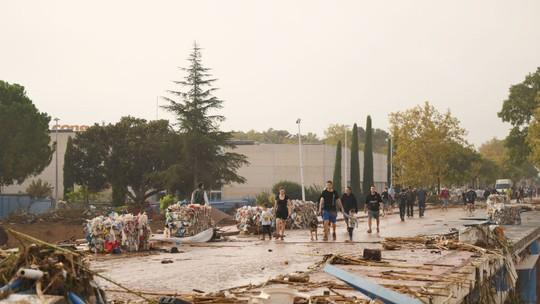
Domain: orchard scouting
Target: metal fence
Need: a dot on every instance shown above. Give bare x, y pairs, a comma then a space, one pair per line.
13, 203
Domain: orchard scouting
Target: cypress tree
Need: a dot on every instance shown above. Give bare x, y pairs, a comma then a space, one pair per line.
355, 166
388, 162
69, 171
368, 158
337, 169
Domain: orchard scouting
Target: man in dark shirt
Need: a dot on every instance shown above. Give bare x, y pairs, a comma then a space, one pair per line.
402, 201
411, 198
422, 197
328, 207
349, 202
372, 207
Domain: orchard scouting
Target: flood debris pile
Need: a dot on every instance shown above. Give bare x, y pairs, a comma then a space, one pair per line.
501, 212
187, 220
116, 233
248, 219
302, 214
45, 270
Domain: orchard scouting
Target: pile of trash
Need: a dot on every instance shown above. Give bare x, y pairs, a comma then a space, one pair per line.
116, 233
303, 213
187, 220
45, 272
502, 213
248, 219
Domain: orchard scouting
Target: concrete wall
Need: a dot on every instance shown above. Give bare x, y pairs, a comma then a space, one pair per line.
270, 163
48, 173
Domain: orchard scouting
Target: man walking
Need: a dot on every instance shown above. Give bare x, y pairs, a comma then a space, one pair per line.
328, 207
411, 198
372, 207
422, 197
349, 202
402, 201
445, 197
199, 196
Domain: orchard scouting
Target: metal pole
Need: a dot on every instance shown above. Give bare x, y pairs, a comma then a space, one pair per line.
56, 161
301, 161
346, 177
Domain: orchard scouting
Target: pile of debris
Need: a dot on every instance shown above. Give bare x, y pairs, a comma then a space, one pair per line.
116, 233
502, 213
187, 220
303, 213
46, 273
248, 219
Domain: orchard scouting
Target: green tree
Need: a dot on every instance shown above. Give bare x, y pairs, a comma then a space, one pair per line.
336, 132
272, 136
423, 140
292, 189
355, 165
39, 189
204, 157
518, 109
24, 136
337, 169
69, 169
368, 157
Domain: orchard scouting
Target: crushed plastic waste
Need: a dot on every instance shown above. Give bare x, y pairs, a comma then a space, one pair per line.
187, 220
501, 212
303, 213
116, 233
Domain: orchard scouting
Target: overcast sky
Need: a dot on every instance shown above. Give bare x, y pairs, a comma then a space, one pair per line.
324, 61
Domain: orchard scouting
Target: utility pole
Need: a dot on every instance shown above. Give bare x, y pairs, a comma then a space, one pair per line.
301, 160
56, 161
346, 177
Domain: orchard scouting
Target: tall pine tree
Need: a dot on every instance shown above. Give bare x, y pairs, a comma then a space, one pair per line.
203, 157
355, 166
337, 169
69, 171
368, 158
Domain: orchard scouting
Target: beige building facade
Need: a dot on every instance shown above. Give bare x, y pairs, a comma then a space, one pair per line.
271, 163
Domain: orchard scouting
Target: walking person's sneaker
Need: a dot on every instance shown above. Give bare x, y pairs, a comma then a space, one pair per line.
369, 231
334, 236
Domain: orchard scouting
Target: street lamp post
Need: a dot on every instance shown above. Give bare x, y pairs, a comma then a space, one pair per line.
56, 161
301, 160
391, 161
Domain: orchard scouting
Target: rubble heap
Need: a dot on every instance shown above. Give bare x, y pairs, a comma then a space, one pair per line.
502, 213
45, 270
303, 213
187, 220
114, 233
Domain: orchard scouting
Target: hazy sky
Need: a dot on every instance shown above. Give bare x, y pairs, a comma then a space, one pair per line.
324, 61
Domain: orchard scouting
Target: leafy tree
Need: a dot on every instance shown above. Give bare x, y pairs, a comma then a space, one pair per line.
368, 157
204, 157
24, 136
91, 149
355, 165
337, 169
313, 193
39, 189
69, 169
496, 152
533, 139
292, 189
265, 198
423, 140
518, 110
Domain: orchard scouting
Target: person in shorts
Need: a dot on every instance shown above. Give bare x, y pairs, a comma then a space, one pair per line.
372, 207
386, 201
266, 223
329, 203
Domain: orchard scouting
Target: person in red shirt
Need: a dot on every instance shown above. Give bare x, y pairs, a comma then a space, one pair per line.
445, 197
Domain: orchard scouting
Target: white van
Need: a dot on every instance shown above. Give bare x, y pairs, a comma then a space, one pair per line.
502, 185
